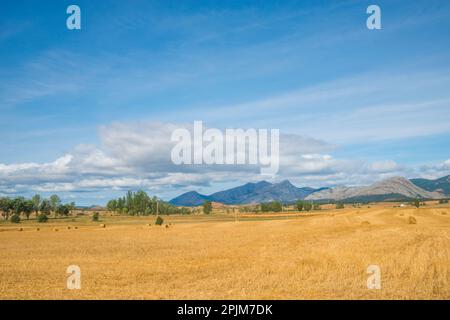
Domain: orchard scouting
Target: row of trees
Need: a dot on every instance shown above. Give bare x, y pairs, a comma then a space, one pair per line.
306, 205
140, 203
21, 206
276, 206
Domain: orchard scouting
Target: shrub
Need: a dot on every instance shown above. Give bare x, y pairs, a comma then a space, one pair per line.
274, 206
307, 206
95, 216
42, 218
15, 218
207, 207
339, 206
159, 221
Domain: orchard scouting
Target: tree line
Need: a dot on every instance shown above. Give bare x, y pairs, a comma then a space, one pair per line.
14, 208
140, 203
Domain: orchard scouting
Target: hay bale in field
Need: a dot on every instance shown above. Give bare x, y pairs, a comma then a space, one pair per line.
20, 229
37, 229
75, 228
68, 228
167, 225
443, 212
55, 229
412, 220
402, 214
365, 223
103, 225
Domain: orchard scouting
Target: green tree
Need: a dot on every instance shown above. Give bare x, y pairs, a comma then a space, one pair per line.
18, 205
63, 210
416, 203
307, 206
6, 206
299, 205
28, 208
72, 206
339, 205
45, 207
207, 207
36, 203
112, 205
55, 201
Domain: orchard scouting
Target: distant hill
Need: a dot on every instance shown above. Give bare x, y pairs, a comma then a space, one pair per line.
441, 185
262, 191
396, 188
189, 199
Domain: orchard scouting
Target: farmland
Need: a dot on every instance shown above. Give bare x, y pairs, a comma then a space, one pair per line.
320, 255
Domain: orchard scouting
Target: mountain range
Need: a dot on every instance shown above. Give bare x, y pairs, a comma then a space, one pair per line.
397, 188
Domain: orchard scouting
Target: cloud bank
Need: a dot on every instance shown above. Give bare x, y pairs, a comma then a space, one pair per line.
137, 155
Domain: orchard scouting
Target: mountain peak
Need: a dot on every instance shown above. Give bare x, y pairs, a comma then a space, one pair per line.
191, 198
387, 189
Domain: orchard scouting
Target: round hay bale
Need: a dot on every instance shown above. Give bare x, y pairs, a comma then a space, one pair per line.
149, 224
167, 225
103, 225
412, 220
68, 228
443, 212
55, 229
20, 229
37, 229
365, 223
75, 228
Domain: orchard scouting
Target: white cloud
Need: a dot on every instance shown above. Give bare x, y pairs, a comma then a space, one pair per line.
137, 155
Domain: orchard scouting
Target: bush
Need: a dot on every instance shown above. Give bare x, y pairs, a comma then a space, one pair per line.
339, 206
95, 216
159, 221
42, 218
274, 206
307, 206
15, 218
299, 205
207, 207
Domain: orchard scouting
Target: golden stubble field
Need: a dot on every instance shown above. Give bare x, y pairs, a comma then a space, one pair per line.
324, 256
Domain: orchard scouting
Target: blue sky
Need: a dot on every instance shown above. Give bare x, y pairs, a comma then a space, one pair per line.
86, 113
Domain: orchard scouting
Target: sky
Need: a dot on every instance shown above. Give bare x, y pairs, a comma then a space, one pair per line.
88, 114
